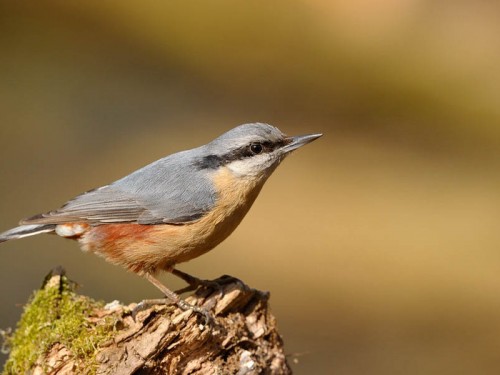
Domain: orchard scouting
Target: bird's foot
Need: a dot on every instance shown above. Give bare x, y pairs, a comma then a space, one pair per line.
195, 283
183, 305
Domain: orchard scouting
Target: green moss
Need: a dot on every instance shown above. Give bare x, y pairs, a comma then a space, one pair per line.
55, 314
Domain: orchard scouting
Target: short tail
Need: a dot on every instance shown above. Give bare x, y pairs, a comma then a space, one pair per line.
26, 231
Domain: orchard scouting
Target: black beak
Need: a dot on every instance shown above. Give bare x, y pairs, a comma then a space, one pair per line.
294, 143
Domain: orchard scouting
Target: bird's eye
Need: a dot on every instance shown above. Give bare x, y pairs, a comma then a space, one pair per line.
256, 148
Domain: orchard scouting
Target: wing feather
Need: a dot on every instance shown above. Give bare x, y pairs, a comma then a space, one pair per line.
107, 205
104, 205
167, 191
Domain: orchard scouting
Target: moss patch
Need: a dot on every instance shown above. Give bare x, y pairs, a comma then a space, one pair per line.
55, 314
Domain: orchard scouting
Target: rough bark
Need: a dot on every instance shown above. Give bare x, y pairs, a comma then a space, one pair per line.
162, 339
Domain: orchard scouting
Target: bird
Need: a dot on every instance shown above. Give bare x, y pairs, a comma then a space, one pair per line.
174, 209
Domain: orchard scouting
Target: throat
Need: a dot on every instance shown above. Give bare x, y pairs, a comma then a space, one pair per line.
236, 194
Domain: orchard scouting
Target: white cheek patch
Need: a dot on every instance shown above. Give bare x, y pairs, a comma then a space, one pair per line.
259, 166
240, 168
71, 230
252, 167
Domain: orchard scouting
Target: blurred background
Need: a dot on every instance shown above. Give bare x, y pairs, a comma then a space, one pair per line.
379, 242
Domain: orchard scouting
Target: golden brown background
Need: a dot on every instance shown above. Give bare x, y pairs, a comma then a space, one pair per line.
379, 242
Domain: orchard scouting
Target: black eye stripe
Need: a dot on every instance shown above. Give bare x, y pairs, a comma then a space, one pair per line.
216, 161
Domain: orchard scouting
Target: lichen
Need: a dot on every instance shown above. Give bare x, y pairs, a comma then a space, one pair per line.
55, 314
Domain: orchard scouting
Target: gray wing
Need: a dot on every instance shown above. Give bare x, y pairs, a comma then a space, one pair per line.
169, 190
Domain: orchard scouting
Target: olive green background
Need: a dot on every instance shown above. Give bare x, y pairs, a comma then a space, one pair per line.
379, 242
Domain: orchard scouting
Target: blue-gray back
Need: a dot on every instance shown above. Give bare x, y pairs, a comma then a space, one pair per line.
169, 190
176, 189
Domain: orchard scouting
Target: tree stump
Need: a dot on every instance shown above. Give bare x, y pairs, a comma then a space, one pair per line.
62, 332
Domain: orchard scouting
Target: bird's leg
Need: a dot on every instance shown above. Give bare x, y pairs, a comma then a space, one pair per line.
194, 282
171, 297
167, 292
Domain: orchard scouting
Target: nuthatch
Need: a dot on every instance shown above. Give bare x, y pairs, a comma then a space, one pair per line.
174, 209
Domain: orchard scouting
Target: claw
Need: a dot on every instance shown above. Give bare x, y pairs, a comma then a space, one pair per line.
195, 283
147, 303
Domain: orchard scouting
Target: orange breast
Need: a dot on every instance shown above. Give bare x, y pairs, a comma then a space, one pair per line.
148, 248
